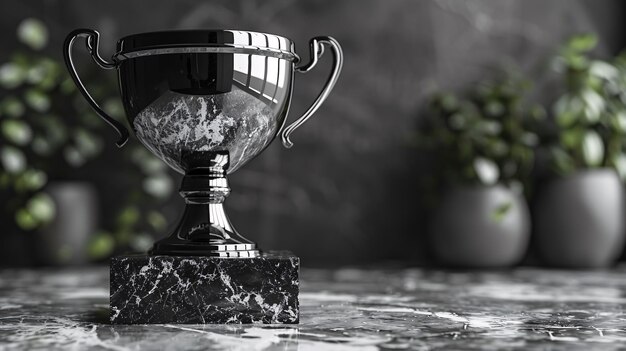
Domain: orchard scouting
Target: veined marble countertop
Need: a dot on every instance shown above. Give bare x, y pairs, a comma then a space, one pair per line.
345, 309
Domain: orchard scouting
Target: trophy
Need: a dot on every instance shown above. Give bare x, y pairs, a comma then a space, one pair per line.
205, 102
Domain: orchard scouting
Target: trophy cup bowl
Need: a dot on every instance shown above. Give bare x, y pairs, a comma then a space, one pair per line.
205, 102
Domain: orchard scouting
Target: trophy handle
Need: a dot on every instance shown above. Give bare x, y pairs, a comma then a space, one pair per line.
92, 37
316, 51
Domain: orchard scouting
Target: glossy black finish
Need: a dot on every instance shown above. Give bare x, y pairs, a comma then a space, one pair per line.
197, 232
214, 97
145, 79
185, 241
239, 82
179, 101
204, 229
143, 41
188, 38
92, 41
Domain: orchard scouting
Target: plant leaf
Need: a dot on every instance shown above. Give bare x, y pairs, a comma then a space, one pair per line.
128, 217
12, 159
486, 170
156, 220
529, 139
500, 212
572, 138
37, 100
594, 105
25, 220
563, 162
88, 144
604, 70
593, 149
582, 42
619, 162
33, 179
73, 156
101, 245
141, 242
11, 75
12, 107
16, 131
567, 110
41, 207
33, 33
619, 121
159, 186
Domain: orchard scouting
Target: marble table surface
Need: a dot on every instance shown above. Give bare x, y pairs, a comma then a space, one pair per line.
345, 309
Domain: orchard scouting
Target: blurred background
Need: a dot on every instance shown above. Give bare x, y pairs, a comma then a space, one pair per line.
465, 133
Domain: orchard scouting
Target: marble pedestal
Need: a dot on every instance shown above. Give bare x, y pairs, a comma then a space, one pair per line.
199, 289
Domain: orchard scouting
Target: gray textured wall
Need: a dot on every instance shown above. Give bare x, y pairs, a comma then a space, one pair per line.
347, 191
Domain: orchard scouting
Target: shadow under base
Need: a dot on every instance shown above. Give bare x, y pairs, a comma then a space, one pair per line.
205, 290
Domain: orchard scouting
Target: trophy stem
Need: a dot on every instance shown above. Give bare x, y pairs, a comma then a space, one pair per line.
205, 229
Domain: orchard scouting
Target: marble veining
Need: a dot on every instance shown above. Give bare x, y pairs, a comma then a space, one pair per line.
199, 289
345, 309
176, 125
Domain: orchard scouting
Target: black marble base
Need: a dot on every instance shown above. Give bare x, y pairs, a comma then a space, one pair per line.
199, 289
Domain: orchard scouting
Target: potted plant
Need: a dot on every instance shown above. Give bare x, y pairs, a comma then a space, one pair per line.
51, 157
482, 149
579, 212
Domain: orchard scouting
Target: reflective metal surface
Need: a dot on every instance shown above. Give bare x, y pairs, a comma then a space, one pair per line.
92, 40
317, 50
205, 41
243, 120
220, 49
206, 102
205, 229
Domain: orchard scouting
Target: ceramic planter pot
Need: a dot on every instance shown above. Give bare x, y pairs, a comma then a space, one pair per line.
578, 220
64, 241
476, 227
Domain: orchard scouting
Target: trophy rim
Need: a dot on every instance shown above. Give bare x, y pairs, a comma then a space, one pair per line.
203, 41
